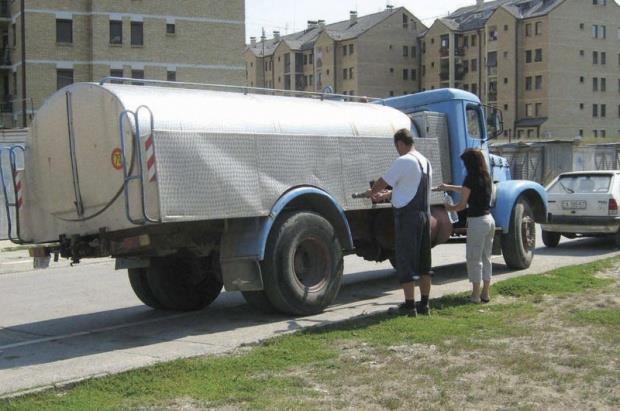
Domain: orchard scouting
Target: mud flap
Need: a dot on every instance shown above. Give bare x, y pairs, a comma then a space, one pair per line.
240, 252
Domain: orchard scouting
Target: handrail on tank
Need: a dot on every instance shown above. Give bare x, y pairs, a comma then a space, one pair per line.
138, 153
244, 89
7, 204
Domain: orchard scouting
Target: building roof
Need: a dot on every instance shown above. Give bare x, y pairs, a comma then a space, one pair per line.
342, 30
475, 17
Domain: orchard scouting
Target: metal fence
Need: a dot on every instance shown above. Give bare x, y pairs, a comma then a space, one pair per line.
543, 161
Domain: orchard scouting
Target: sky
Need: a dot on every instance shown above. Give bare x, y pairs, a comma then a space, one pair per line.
289, 16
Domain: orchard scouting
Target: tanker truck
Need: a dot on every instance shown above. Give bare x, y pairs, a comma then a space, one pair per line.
192, 188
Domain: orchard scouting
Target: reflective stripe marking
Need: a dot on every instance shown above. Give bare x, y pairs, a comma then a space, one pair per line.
18, 187
150, 158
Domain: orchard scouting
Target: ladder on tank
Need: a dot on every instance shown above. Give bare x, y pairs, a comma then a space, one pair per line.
137, 156
16, 189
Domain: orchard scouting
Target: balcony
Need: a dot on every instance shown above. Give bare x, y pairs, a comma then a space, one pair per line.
444, 51
5, 8
459, 52
492, 96
492, 70
444, 76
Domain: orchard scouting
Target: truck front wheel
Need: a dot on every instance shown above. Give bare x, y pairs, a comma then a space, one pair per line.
551, 239
519, 243
184, 284
303, 265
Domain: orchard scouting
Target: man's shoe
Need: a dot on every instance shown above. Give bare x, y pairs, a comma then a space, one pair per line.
423, 309
403, 309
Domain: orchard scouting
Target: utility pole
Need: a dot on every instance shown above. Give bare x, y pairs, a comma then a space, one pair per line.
22, 19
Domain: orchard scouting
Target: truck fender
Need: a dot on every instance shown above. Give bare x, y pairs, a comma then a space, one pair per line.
507, 195
244, 240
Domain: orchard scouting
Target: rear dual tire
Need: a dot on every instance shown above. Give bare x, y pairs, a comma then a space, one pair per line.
176, 283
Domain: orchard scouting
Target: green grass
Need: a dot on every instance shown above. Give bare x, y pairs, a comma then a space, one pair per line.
564, 280
268, 373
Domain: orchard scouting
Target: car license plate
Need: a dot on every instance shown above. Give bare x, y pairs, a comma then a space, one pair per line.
575, 205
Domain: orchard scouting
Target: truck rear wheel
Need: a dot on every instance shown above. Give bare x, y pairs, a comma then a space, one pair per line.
142, 289
303, 265
518, 245
551, 239
184, 284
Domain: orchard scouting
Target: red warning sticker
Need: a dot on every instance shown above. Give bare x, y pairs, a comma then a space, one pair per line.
117, 159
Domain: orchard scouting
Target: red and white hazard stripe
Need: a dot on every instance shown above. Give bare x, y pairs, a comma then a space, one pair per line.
19, 199
149, 149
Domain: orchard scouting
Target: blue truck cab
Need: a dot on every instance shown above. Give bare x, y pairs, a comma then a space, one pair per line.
518, 204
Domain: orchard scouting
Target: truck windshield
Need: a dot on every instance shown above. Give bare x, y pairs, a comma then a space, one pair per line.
473, 121
581, 184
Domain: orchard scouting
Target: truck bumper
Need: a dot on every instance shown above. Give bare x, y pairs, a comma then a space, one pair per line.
582, 225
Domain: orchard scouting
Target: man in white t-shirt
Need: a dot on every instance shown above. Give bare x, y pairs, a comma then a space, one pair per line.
410, 177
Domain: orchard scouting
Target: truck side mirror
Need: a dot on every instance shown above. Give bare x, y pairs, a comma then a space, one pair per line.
495, 122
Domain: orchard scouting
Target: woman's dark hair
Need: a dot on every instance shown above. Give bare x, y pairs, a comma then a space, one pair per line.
476, 164
404, 135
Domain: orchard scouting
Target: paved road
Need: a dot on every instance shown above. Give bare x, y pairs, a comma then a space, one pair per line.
68, 323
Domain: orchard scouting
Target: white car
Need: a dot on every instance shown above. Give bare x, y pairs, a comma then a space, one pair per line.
583, 204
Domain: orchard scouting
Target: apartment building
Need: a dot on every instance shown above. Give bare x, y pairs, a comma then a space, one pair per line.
375, 55
553, 66
47, 44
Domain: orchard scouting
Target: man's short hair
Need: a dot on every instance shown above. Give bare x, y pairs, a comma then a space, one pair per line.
405, 136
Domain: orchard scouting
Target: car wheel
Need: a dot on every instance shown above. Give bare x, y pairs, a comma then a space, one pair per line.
551, 239
519, 243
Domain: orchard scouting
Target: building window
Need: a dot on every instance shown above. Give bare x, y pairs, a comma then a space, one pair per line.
474, 88
603, 110
529, 110
392, 70
64, 77
137, 33
64, 31
351, 48
528, 56
595, 57
405, 74
344, 50
137, 74
171, 75
116, 32
581, 106
582, 53
539, 55
391, 93
603, 84
414, 74
603, 133
594, 110
474, 65
582, 79
528, 83
414, 52
116, 73
351, 73
538, 28
599, 31
538, 109
473, 40
538, 84
405, 21
171, 28
345, 72
603, 57
405, 51
493, 34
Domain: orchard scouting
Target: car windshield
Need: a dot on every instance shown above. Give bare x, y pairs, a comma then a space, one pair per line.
581, 184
